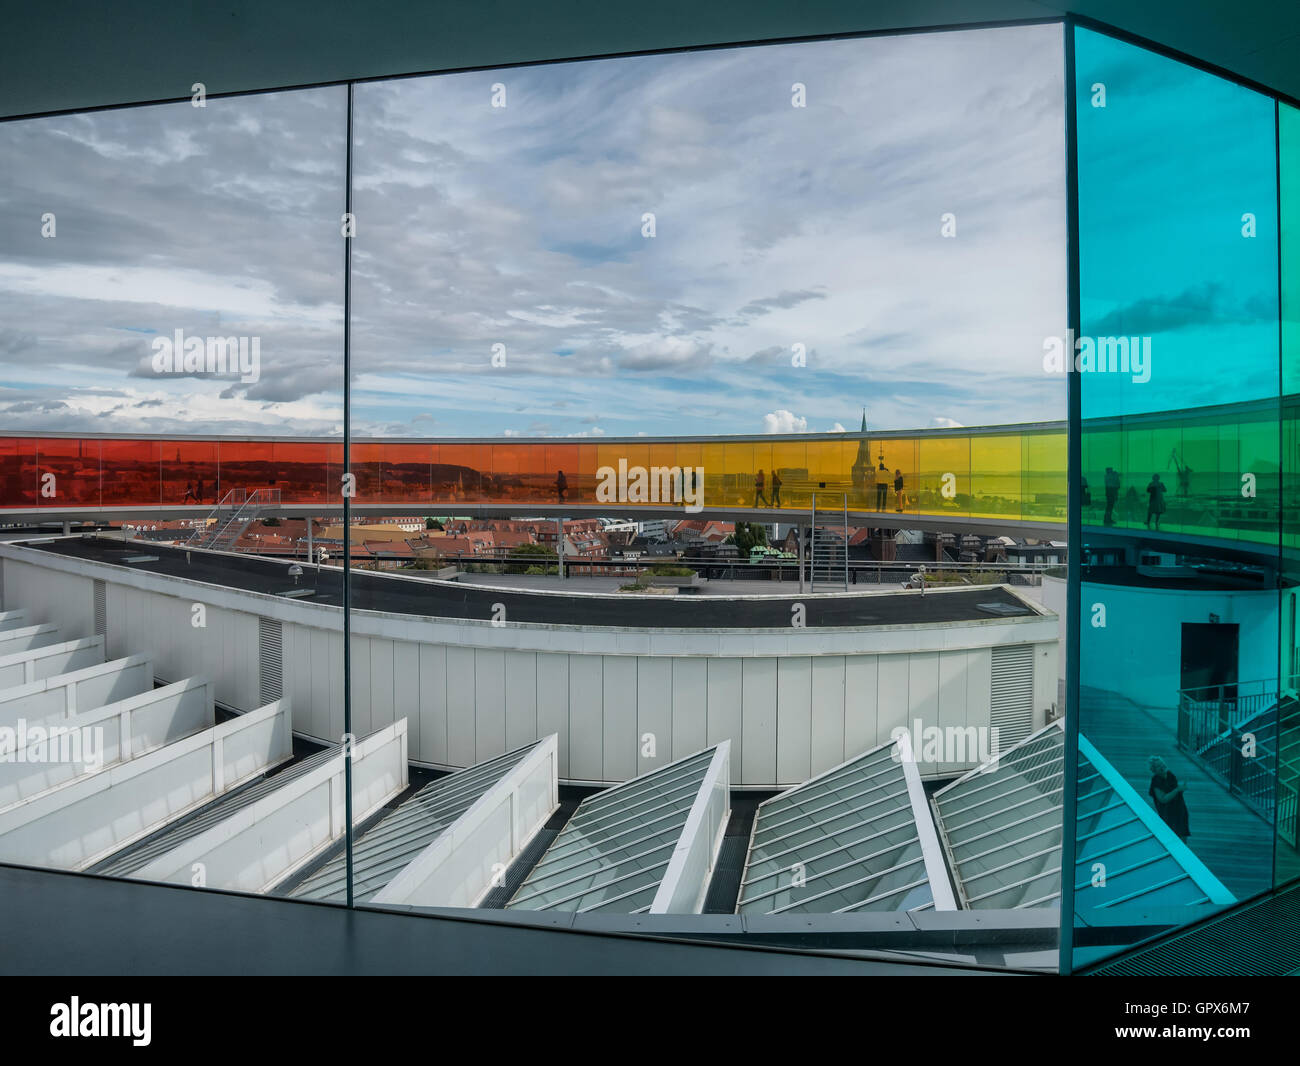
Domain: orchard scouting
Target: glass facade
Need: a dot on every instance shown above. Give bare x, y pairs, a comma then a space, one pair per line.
1187, 445
177, 275
1011, 473
537, 263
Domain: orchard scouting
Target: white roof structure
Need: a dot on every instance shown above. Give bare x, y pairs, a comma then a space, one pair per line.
645, 846
856, 838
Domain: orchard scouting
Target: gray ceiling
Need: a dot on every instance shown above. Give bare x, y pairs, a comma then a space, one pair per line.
84, 53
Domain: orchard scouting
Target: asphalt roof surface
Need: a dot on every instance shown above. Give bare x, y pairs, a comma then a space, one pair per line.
451, 599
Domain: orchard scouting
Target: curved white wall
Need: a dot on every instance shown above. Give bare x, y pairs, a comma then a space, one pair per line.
621, 701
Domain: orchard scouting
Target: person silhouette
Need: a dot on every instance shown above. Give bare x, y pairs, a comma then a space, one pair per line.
1112, 495
189, 493
1155, 500
561, 486
758, 489
1184, 474
776, 489
882, 485
898, 488
1167, 795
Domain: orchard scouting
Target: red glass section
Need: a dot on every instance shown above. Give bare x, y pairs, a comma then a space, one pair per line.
131, 472
18, 478
189, 472
300, 470
68, 472
405, 472
247, 465
458, 474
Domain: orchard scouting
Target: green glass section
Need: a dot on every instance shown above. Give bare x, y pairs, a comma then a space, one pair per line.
1219, 469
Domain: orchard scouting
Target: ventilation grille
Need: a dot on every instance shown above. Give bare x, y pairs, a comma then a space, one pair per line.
271, 659
1012, 712
101, 609
1257, 939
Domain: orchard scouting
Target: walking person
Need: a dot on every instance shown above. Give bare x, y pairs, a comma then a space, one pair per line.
1112, 495
1167, 795
776, 489
1184, 474
1155, 500
898, 488
758, 489
199, 492
189, 493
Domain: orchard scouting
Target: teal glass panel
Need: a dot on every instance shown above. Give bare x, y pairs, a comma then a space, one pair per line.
1180, 689
1287, 847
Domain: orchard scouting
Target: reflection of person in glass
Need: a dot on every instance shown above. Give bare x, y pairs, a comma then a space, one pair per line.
1112, 494
758, 489
1184, 474
1167, 794
1155, 500
882, 485
561, 485
776, 489
189, 493
898, 488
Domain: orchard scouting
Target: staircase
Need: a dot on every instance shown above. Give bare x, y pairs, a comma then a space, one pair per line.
1213, 728
234, 513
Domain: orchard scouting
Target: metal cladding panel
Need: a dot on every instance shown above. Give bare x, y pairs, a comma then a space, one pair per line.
654, 726
521, 698
757, 747
433, 705
621, 756
489, 704
689, 697
794, 719
828, 699
586, 717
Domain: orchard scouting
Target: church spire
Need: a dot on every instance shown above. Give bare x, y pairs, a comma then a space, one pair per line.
864, 420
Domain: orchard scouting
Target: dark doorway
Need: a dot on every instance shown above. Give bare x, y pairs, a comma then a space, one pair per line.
1210, 659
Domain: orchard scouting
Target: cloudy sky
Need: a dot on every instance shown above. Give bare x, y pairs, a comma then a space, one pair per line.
521, 226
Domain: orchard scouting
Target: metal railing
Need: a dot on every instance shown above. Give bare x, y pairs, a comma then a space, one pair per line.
776, 570
236, 510
1236, 732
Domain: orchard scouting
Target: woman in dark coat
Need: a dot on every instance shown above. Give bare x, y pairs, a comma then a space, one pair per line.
1167, 794
1155, 500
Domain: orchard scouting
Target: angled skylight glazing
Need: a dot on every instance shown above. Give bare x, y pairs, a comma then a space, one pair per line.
614, 852
857, 838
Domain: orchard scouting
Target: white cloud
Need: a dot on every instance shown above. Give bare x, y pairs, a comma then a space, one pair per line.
784, 422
